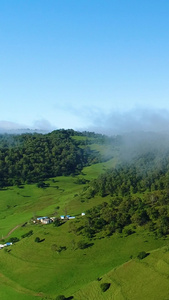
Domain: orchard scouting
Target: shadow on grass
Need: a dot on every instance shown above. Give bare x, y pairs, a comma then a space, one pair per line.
142, 255
84, 246
55, 187
90, 245
41, 240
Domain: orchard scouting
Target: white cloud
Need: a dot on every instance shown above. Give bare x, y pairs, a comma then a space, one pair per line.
43, 124
131, 121
6, 125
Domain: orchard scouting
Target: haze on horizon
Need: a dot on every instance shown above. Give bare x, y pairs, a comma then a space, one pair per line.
87, 65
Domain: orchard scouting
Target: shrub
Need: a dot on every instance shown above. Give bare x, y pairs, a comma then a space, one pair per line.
104, 286
142, 255
57, 222
128, 231
98, 279
82, 245
40, 184
13, 240
37, 239
28, 234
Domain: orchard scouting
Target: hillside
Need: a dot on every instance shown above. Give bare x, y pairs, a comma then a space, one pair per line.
125, 200
30, 158
135, 279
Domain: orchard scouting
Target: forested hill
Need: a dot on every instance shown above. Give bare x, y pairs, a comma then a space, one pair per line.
29, 158
149, 172
134, 193
143, 167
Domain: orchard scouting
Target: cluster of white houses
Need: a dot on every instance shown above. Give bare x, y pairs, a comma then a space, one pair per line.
5, 245
45, 220
67, 217
70, 217
48, 220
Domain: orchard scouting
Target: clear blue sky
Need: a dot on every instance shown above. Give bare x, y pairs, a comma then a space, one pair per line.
83, 63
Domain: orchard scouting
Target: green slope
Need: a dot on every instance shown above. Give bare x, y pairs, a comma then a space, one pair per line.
35, 267
145, 279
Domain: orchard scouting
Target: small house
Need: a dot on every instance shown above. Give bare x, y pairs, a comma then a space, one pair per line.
62, 217
46, 221
41, 219
83, 214
5, 245
8, 244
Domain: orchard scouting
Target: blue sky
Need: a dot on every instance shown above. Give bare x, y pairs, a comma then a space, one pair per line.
84, 64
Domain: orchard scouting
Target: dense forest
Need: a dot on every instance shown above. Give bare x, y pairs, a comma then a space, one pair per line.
135, 193
30, 158
149, 172
125, 214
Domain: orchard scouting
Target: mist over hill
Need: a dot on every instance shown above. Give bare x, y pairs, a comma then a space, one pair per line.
33, 157
139, 119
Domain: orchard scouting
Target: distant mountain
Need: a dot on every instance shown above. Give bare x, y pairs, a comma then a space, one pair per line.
14, 128
22, 130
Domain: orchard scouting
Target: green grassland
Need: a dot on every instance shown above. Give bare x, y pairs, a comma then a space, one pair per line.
18, 205
31, 270
36, 268
145, 279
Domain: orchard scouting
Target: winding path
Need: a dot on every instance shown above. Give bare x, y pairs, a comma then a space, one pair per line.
9, 233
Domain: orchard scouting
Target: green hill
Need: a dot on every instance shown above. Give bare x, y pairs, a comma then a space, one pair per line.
74, 257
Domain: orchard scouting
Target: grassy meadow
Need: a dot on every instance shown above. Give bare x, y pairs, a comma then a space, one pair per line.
145, 279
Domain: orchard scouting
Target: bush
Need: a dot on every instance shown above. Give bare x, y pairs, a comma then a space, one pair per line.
40, 184
28, 234
13, 240
104, 286
57, 222
98, 279
142, 255
128, 231
82, 245
37, 239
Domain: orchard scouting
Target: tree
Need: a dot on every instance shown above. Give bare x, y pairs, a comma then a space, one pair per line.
41, 184
57, 222
37, 239
142, 255
104, 286
82, 244
13, 240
